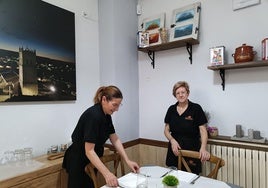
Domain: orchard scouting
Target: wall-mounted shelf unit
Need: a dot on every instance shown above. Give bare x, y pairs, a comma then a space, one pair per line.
222, 68
169, 45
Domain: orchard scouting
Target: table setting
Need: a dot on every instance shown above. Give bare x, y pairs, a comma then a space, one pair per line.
152, 177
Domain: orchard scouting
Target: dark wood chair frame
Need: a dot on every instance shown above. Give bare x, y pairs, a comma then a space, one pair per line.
218, 162
92, 171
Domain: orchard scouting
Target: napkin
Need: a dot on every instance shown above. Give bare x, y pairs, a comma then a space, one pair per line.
184, 176
130, 180
154, 171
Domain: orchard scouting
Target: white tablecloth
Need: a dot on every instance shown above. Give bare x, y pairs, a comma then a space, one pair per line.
154, 179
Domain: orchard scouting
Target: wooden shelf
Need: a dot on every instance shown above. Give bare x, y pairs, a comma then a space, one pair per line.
170, 45
150, 50
222, 68
240, 65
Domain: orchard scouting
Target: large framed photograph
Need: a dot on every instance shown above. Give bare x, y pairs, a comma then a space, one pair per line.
185, 22
217, 55
152, 26
37, 52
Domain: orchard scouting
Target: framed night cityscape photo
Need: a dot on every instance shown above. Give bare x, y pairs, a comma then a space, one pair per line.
37, 52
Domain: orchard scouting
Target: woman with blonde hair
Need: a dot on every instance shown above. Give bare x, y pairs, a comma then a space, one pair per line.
185, 128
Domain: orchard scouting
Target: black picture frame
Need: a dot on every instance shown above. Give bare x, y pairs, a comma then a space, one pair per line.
37, 52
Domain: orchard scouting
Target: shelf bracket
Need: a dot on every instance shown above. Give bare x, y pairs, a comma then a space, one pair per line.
222, 75
151, 56
189, 49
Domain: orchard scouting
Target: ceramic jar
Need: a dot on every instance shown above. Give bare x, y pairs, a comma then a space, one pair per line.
244, 53
164, 35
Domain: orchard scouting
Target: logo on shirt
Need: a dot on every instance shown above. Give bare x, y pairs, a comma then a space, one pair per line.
188, 118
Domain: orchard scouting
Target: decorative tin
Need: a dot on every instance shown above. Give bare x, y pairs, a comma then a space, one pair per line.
217, 55
264, 49
143, 39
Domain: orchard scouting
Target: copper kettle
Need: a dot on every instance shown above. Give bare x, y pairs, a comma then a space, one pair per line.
244, 53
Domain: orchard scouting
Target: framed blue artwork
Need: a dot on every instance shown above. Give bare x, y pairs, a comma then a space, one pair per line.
185, 22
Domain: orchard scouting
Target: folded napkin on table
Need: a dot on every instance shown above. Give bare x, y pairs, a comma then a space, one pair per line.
130, 180
154, 171
184, 176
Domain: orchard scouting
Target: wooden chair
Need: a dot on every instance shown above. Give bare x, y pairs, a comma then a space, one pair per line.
217, 162
112, 162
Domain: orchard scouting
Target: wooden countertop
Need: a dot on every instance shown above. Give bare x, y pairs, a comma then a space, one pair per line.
44, 168
48, 167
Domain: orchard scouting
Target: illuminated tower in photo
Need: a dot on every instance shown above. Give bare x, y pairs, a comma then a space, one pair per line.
28, 72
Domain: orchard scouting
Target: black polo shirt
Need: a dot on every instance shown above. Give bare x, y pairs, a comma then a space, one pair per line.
185, 129
94, 127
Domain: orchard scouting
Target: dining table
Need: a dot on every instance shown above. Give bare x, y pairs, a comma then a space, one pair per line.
153, 176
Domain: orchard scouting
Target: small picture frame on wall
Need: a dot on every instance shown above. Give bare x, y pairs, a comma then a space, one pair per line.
185, 22
239, 4
152, 26
217, 55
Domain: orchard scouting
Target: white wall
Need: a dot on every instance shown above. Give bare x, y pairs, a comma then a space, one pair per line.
146, 99
42, 124
244, 100
118, 61
102, 58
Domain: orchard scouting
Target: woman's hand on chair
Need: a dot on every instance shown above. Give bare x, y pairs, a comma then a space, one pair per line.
204, 155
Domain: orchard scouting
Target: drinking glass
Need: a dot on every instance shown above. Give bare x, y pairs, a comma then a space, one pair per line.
154, 182
8, 157
19, 155
142, 180
28, 155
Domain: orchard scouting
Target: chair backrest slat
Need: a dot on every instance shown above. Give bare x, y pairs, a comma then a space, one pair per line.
218, 162
91, 170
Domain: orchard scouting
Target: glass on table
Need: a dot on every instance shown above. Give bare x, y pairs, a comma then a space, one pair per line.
154, 182
142, 180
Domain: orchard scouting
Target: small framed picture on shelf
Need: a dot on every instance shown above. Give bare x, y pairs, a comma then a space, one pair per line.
143, 39
152, 26
185, 22
217, 55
